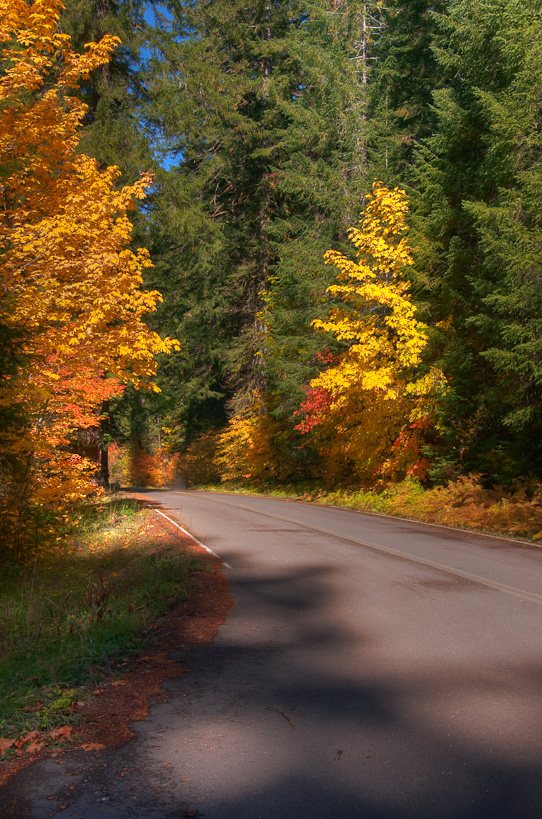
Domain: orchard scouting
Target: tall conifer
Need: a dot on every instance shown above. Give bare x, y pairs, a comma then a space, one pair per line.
115, 132
461, 169
509, 227
264, 106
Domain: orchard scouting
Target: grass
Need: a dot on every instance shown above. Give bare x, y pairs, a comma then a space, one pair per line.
74, 614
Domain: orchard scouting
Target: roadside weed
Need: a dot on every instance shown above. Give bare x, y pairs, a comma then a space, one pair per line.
70, 616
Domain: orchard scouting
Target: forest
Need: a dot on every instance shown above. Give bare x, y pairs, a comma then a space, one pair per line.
277, 243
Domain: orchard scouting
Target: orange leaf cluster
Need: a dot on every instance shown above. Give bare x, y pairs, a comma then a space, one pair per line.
70, 284
136, 467
34, 741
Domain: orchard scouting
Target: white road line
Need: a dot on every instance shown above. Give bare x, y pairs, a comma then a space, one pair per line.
203, 546
523, 594
465, 531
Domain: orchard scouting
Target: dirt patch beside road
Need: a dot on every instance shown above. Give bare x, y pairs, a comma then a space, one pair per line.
106, 718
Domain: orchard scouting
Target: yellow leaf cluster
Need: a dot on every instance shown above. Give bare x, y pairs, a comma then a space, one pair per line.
249, 449
383, 334
70, 284
373, 387
241, 446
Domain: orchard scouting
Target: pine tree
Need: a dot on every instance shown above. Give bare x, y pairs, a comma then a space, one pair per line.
509, 227
406, 75
335, 50
460, 163
264, 107
115, 132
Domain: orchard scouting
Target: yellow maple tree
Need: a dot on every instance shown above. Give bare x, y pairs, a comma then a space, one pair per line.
371, 406
71, 286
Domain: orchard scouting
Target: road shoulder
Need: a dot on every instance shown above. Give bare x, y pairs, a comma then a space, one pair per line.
105, 722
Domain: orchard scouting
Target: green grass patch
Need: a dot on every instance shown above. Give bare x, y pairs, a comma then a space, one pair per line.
72, 615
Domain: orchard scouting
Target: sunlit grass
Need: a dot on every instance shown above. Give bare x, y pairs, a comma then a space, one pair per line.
73, 614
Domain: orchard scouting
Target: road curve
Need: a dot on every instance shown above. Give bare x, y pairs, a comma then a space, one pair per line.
371, 668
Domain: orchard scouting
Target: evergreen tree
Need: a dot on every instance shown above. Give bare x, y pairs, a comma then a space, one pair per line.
405, 77
264, 106
115, 131
324, 180
459, 168
509, 226
276, 117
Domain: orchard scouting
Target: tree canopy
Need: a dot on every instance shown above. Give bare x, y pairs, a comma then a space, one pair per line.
71, 285
276, 118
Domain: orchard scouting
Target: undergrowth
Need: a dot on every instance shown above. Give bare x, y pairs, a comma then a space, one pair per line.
75, 614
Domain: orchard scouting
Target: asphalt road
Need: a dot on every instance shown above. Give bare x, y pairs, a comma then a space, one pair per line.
370, 668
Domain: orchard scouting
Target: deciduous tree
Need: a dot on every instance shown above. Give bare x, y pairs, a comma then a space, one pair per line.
367, 409
72, 283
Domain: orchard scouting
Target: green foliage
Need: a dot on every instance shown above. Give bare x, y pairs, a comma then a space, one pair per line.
406, 74
262, 106
116, 95
467, 174
509, 230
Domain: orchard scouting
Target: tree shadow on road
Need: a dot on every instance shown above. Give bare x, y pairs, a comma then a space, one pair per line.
289, 715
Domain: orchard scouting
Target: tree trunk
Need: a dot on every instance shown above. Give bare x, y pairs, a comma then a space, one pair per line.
104, 445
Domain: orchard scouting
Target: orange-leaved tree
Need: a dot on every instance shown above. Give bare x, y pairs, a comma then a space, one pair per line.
367, 412
244, 450
71, 286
